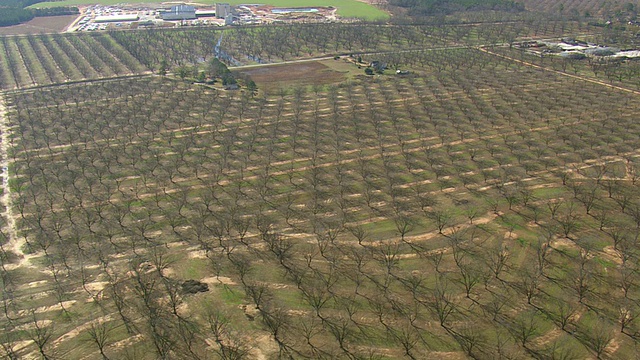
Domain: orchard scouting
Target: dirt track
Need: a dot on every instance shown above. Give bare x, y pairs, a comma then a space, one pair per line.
15, 243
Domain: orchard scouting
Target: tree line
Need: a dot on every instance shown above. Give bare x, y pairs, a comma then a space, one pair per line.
439, 7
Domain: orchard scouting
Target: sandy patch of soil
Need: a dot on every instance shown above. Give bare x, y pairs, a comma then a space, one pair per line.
56, 307
34, 284
197, 254
265, 346
548, 337
28, 326
19, 345
96, 285
564, 242
612, 254
80, 329
127, 342
613, 346
218, 280
447, 355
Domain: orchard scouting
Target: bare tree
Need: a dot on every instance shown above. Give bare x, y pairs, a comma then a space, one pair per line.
231, 346
442, 302
98, 333
525, 328
41, 334
598, 337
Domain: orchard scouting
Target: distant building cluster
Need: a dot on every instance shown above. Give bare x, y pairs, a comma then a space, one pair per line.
103, 17
576, 49
188, 12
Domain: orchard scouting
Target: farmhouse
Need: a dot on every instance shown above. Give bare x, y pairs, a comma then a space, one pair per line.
378, 65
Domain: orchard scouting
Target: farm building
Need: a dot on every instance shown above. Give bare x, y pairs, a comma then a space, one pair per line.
116, 18
180, 12
205, 13
222, 10
294, 10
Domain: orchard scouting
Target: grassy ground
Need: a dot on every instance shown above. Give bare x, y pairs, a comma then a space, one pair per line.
346, 8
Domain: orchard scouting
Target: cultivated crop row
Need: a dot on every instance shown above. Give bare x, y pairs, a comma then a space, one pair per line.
50, 59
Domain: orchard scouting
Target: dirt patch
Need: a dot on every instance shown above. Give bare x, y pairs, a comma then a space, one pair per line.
80, 329
548, 337
303, 73
218, 280
612, 254
447, 355
197, 254
127, 342
28, 326
564, 242
37, 283
96, 285
613, 346
40, 25
59, 306
264, 347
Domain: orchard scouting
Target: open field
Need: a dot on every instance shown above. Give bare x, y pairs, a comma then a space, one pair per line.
39, 25
346, 8
292, 75
476, 208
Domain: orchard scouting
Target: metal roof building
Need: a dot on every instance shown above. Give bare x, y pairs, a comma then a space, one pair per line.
205, 13
115, 18
180, 12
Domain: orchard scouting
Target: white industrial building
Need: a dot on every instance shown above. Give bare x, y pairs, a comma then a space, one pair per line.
205, 13
116, 18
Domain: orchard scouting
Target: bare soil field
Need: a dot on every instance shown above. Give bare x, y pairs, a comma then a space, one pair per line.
306, 73
40, 25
